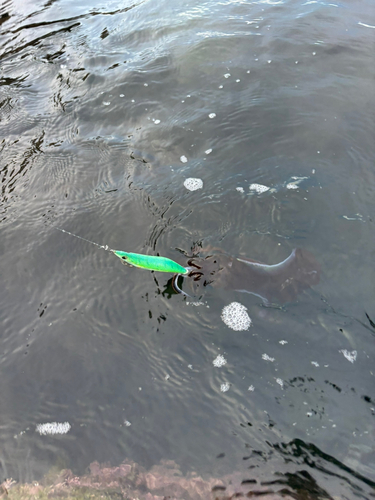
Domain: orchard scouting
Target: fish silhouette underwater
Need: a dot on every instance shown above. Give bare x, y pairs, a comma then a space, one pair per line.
278, 283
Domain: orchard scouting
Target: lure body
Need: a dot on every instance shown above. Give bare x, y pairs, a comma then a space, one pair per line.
153, 263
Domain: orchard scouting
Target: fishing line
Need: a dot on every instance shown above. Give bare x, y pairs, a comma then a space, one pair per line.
105, 247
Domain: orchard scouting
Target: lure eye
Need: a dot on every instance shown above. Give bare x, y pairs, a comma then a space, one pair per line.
123, 257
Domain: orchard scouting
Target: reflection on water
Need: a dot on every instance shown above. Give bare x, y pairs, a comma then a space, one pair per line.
108, 111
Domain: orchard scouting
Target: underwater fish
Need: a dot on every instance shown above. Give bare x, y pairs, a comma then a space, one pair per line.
277, 283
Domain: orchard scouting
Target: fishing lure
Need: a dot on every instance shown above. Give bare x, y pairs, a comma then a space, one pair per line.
150, 262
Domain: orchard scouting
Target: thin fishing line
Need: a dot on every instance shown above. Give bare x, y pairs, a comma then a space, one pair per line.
105, 247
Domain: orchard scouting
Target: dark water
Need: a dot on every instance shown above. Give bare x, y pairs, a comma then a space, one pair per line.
98, 103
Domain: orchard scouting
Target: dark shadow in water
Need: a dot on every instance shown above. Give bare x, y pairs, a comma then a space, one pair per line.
278, 283
311, 456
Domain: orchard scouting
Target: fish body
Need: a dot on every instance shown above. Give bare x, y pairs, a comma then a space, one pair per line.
150, 262
277, 283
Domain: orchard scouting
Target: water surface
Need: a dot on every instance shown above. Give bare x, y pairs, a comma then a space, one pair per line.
101, 104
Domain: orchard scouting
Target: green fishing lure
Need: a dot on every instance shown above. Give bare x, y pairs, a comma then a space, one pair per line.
162, 264
150, 262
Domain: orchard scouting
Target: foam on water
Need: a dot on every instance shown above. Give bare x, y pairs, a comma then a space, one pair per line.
235, 316
280, 381
267, 358
53, 428
258, 188
219, 361
350, 356
192, 184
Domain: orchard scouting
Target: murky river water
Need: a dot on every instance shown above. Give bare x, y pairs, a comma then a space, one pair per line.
106, 110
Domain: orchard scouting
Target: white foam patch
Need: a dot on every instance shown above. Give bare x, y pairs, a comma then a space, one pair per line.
225, 387
258, 188
350, 356
196, 303
192, 184
212, 115
240, 189
52, 428
267, 358
156, 122
294, 184
219, 361
280, 381
251, 388
235, 317
183, 159
208, 151
227, 75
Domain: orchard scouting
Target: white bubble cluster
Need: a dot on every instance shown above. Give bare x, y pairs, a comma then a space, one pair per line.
235, 317
225, 387
53, 428
219, 361
196, 303
192, 184
267, 358
240, 189
350, 356
280, 381
295, 182
212, 115
258, 188
208, 151
183, 159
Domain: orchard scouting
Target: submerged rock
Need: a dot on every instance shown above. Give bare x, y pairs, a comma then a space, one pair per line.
131, 481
